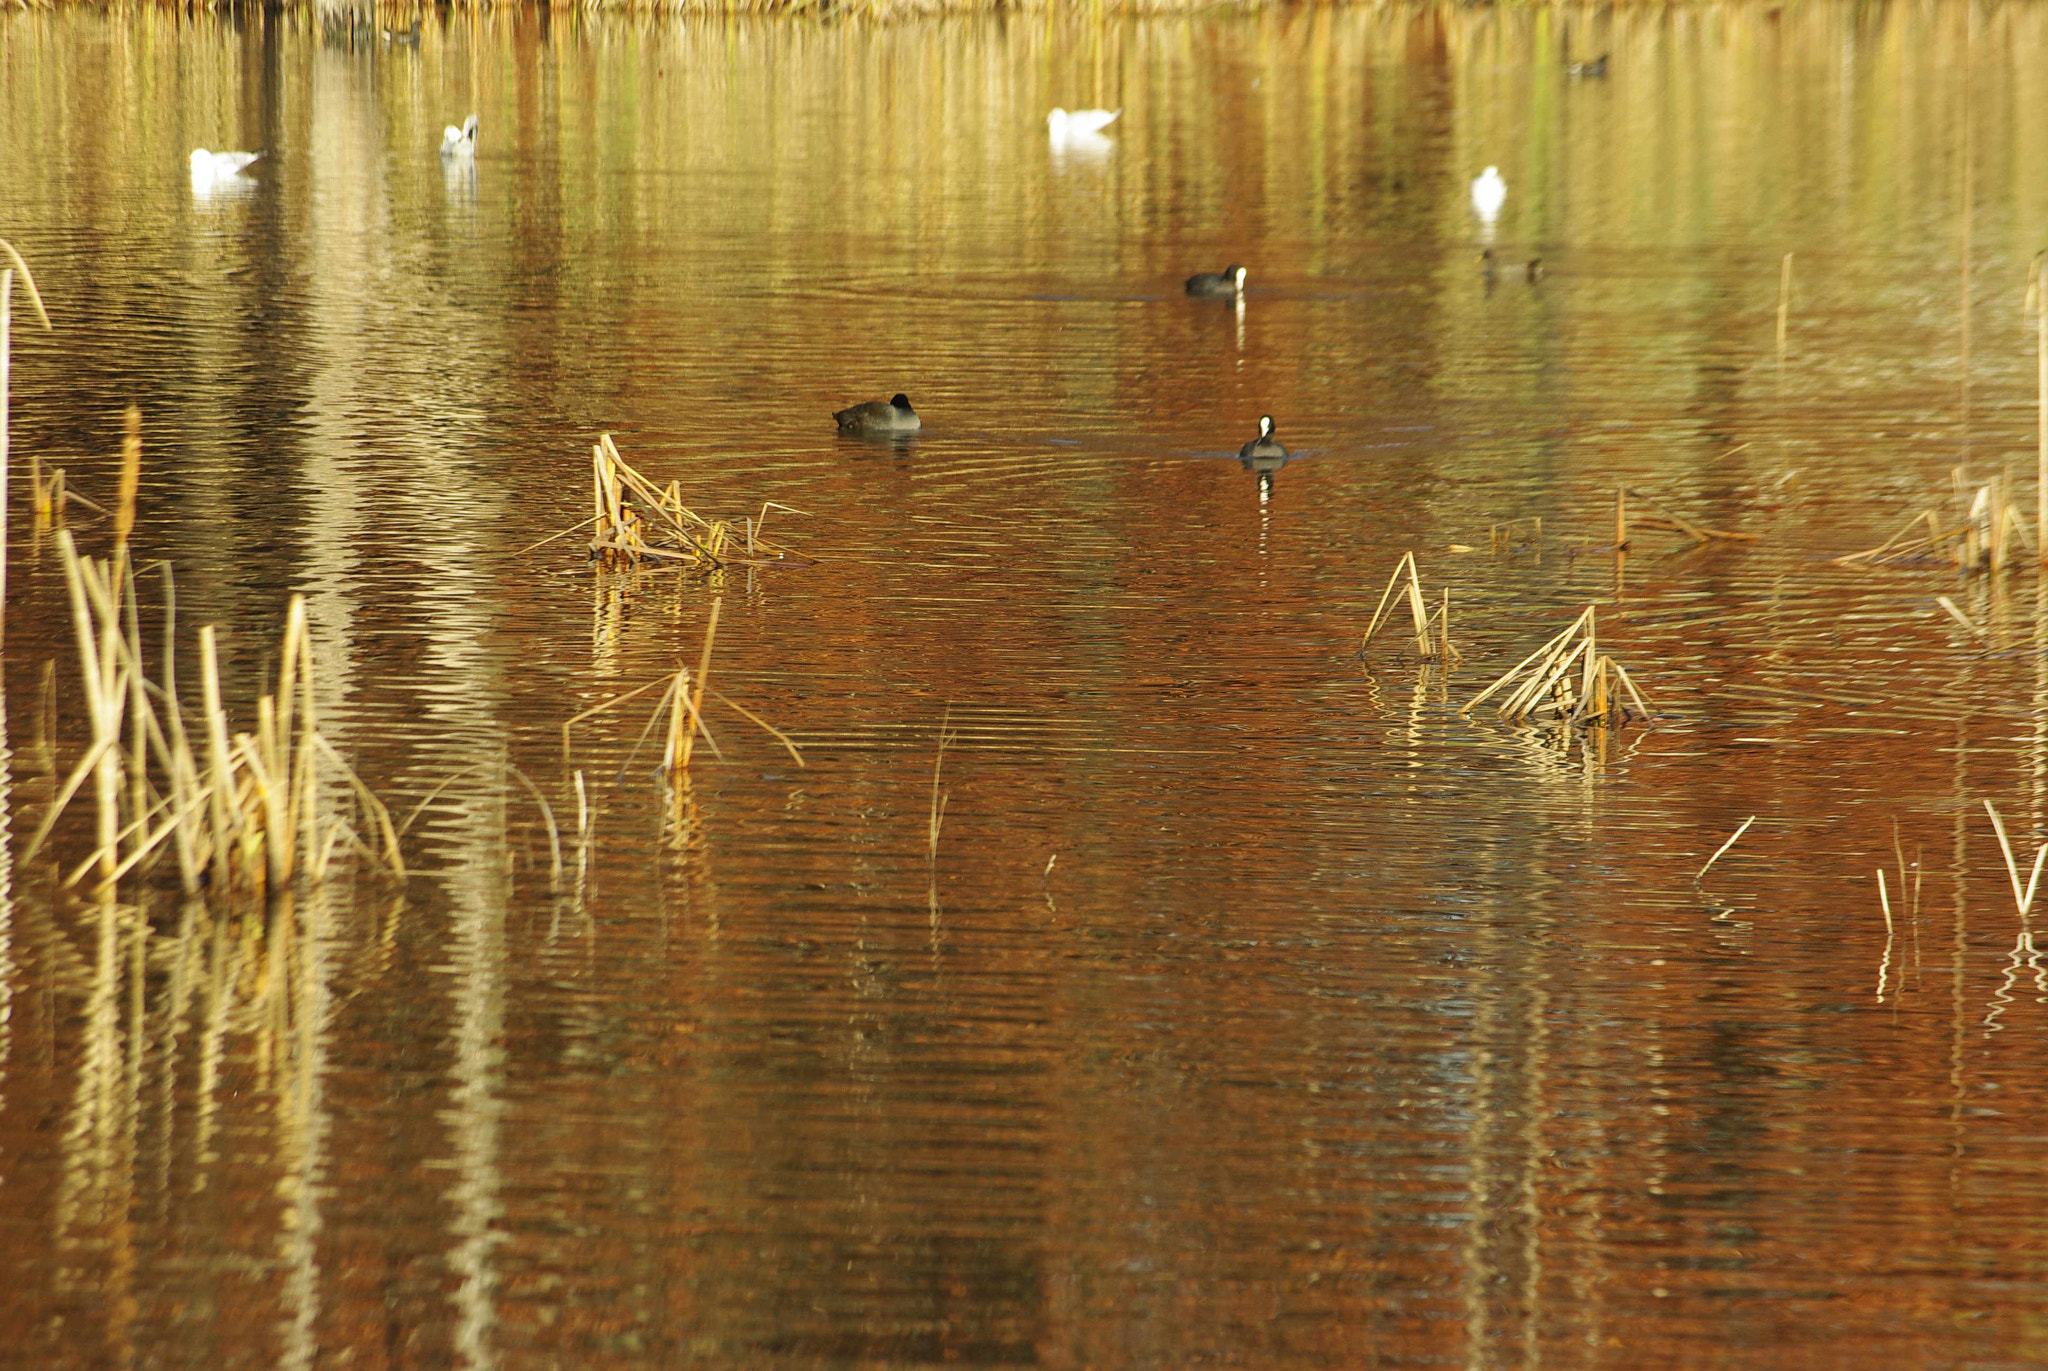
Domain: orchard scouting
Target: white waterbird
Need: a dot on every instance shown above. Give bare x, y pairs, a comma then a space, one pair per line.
1489, 192
211, 166
1076, 123
456, 142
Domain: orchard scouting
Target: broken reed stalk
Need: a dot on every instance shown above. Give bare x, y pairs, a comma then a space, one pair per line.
2022, 899
247, 818
1668, 520
1543, 681
1419, 617
1720, 851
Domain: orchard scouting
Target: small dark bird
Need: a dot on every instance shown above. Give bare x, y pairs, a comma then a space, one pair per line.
879, 416
1534, 271
1486, 264
1588, 71
1264, 446
404, 38
1229, 281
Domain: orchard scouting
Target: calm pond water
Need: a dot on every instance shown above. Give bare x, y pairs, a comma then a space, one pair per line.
1259, 1007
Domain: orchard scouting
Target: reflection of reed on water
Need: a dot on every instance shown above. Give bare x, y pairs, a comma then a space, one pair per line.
201, 1032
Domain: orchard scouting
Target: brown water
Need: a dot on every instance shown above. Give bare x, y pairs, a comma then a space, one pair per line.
1258, 1008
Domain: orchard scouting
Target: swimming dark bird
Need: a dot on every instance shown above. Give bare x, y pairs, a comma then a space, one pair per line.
1265, 446
1534, 271
879, 416
1229, 281
1588, 71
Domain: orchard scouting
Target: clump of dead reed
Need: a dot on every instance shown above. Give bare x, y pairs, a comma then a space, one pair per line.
1982, 538
680, 715
1545, 684
1432, 632
239, 809
637, 522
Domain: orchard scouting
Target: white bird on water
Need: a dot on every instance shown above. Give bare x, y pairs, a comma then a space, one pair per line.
1066, 123
1079, 130
213, 166
1489, 192
457, 142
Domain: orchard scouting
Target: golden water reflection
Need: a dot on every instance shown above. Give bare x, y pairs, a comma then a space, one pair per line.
1255, 1005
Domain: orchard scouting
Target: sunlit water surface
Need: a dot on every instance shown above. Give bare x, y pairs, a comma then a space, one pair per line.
1258, 1007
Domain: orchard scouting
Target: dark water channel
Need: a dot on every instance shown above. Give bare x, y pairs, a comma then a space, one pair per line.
1257, 1007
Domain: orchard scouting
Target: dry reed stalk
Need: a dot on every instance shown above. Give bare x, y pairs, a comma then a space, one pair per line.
1913, 907
703, 678
939, 800
1784, 300
547, 814
1421, 622
131, 477
1884, 964
35, 484
1543, 681
1720, 851
47, 494
35, 296
1958, 615
1621, 518
2023, 900
1672, 521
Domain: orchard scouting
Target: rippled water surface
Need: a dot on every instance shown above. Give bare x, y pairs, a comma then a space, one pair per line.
1256, 1006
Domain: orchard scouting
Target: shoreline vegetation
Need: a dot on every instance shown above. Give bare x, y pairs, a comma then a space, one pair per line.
382, 21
